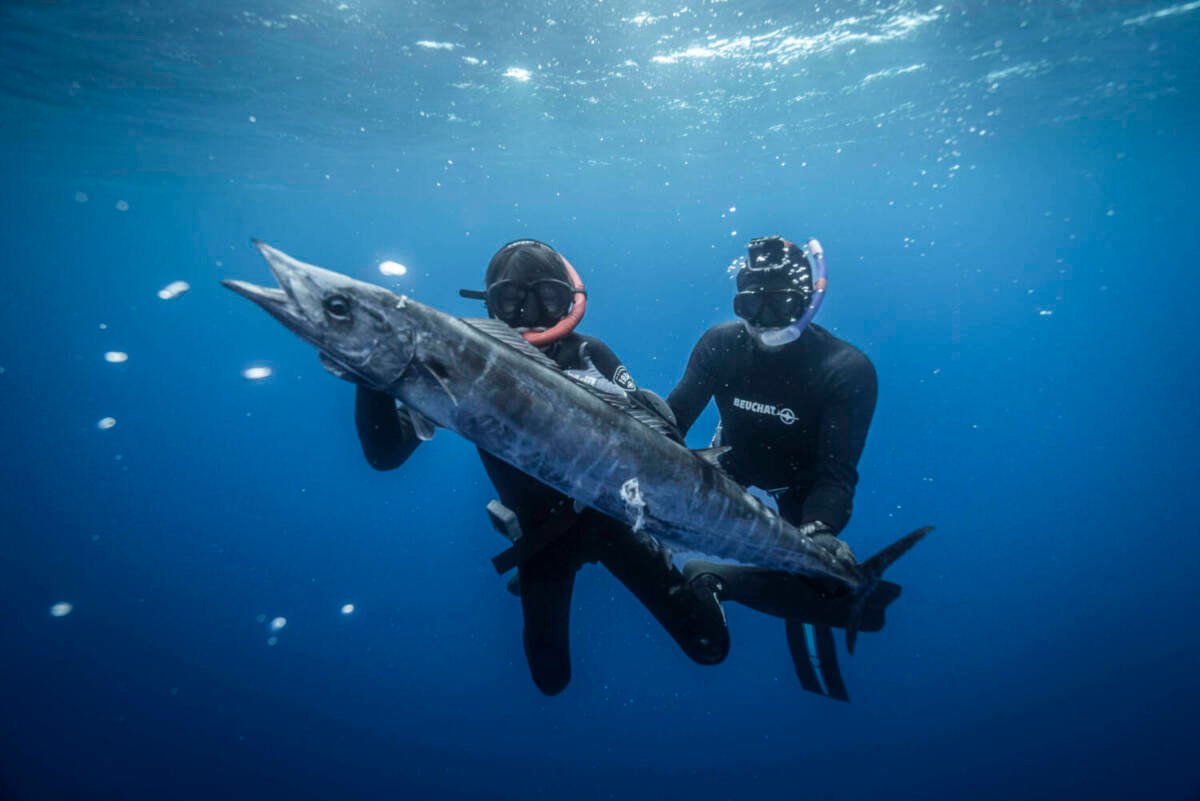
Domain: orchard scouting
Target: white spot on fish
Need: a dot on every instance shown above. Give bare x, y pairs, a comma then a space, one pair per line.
277, 623
61, 609
173, 290
116, 357
106, 423
256, 373
635, 504
347, 609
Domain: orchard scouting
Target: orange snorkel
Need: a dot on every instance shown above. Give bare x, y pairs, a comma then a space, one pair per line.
566, 325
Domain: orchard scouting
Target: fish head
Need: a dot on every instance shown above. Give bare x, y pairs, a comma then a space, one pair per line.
358, 327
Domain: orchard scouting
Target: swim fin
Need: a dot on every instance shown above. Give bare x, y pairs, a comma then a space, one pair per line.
814, 655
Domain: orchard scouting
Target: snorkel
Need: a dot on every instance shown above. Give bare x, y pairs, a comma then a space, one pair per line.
538, 337
566, 325
778, 337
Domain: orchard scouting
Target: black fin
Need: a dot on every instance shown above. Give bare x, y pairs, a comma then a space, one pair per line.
801, 658
872, 571
818, 672
827, 657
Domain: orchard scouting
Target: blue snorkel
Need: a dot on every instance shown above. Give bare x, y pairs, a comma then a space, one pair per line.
778, 337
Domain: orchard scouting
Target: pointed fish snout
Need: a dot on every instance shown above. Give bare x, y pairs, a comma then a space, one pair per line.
263, 296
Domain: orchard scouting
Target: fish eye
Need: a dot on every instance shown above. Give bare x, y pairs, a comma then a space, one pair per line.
337, 307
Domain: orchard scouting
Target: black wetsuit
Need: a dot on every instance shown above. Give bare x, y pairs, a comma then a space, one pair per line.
547, 577
796, 417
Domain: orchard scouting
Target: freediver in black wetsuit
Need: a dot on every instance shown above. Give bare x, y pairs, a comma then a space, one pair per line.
532, 288
795, 404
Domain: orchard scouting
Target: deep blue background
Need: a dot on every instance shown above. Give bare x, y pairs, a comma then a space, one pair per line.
1032, 319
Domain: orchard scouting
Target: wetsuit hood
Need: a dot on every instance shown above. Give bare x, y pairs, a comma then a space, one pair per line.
526, 261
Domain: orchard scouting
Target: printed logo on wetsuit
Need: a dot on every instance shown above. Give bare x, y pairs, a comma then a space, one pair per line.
785, 415
623, 380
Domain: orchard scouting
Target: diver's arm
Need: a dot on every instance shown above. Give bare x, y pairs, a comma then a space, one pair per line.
695, 389
386, 434
609, 365
843, 433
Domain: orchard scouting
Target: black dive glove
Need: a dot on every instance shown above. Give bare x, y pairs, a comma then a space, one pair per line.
823, 536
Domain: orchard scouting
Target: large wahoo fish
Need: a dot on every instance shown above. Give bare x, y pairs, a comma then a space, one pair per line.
480, 379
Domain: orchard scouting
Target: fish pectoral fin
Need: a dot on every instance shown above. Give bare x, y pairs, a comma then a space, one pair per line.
422, 425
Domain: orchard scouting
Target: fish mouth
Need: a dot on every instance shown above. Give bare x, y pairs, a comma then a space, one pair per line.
296, 296
270, 299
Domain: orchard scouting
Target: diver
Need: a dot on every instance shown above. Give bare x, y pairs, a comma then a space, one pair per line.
795, 404
534, 290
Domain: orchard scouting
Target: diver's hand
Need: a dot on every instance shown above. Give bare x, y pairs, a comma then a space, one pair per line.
823, 536
838, 549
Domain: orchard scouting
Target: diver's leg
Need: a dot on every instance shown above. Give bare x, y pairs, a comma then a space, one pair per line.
690, 613
546, 583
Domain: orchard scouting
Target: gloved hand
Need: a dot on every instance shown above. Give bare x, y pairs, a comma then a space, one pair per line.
823, 536
839, 549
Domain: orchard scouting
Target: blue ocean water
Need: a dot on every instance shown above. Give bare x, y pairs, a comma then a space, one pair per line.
1006, 193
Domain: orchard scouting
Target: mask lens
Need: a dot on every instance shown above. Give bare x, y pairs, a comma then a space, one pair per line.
786, 306
504, 298
748, 305
555, 297
770, 308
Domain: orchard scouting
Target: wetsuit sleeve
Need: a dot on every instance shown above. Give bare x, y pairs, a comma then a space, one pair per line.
386, 435
610, 367
845, 420
698, 385
608, 364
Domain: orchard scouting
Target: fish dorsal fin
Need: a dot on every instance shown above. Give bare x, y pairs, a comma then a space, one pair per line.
502, 331
713, 455
647, 418
497, 329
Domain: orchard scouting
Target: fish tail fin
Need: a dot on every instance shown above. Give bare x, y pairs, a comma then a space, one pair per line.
872, 572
